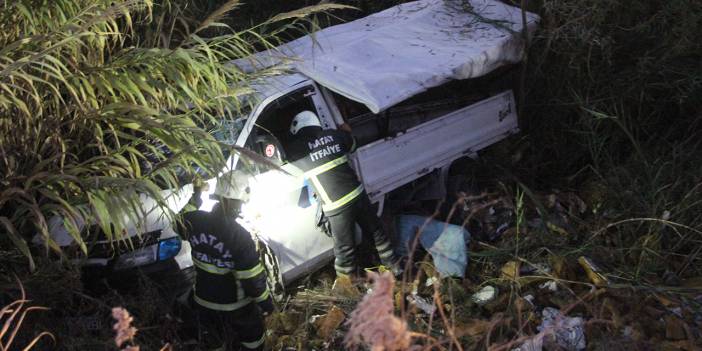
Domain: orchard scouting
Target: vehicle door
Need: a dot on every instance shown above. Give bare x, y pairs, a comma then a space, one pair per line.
282, 209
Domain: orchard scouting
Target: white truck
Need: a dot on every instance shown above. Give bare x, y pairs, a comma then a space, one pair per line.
388, 75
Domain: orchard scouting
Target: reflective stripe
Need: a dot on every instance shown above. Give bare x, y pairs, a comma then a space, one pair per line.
240, 293
222, 306
344, 200
254, 344
249, 273
320, 190
210, 268
383, 247
263, 296
386, 254
345, 270
327, 166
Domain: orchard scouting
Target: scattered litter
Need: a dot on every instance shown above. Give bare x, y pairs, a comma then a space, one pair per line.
560, 267
549, 285
422, 303
430, 281
445, 242
510, 271
676, 311
499, 231
485, 295
472, 327
343, 287
593, 272
569, 331
628, 332
524, 304
533, 344
330, 322
536, 268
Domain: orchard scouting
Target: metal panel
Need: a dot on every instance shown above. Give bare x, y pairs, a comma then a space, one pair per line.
387, 57
387, 164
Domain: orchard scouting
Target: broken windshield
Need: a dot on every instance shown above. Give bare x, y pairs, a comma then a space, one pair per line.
227, 132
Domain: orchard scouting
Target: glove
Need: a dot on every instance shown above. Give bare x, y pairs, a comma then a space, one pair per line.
267, 306
322, 222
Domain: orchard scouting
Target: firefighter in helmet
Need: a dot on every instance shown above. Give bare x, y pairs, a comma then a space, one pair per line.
323, 156
230, 294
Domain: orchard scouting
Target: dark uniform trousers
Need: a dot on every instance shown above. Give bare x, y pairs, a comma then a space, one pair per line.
343, 232
219, 329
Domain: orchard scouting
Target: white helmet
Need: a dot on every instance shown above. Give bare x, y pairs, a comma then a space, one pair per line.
302, 120
233, 185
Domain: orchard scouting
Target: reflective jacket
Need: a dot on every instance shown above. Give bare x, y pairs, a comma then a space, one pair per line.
229, 273
323, 156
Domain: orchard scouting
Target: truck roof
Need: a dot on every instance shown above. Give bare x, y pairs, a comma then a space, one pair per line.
270, 85
390, 56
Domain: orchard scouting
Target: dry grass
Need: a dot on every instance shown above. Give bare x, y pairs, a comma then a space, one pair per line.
12, 316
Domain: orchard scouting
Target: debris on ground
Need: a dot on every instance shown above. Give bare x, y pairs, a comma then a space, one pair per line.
485, 295
549, 285
473, 327
569, 332
445, 242
344, 287
330, 322
556, 329
593, 271
675, 328
510, 270
373, 323
530, 289
423, 304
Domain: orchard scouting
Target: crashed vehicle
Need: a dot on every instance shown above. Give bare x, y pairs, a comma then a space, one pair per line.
422, 85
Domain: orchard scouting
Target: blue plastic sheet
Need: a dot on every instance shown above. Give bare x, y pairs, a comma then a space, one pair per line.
445, 242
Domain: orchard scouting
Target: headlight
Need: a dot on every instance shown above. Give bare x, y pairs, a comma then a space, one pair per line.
136, 258
168, 248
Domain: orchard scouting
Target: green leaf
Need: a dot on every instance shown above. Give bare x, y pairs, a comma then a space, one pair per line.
18, 241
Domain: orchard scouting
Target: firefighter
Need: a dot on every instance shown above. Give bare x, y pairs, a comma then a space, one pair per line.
230, 293
323, 156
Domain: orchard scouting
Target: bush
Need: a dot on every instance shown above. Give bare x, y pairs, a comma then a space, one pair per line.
104, 103
613, 97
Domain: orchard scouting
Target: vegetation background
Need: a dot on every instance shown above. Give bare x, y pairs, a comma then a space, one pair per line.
612, 104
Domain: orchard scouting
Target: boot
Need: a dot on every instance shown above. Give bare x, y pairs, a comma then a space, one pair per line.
395, 266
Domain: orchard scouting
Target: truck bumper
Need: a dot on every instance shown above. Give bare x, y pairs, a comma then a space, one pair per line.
168, 275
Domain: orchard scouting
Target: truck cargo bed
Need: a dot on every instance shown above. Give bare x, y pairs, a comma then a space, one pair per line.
386, 164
